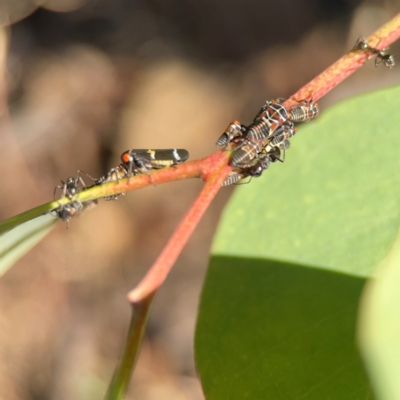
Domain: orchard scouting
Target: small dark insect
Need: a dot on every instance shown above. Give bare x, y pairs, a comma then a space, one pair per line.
69, 210
270, 121
362, 45
382, 57
248, 151
234, 130
70, 187
386, 59
272, 152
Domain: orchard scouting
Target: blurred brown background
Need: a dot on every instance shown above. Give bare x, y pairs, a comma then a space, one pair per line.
81, 82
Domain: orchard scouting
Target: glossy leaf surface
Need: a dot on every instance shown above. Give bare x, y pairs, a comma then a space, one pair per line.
279, 308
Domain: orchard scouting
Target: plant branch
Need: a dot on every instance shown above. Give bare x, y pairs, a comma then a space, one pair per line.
122, 375
214, 171
215, 175
192, 169
348, 64
318, 87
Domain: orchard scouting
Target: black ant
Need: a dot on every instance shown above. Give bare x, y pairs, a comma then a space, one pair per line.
382, 57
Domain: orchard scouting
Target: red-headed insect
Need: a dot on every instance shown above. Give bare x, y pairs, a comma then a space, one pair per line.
142, 161
139, 161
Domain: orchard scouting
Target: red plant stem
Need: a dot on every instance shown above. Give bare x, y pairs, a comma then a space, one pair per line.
347, 64
187, 170
317, 88
215, 170
214, 177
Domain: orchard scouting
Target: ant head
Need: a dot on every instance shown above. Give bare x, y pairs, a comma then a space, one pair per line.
258, 170
71, 182
388, 60
361, 44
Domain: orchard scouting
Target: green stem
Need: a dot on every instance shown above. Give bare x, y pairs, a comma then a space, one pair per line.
122, 375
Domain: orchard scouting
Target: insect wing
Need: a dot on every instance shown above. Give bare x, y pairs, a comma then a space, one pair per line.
159, 158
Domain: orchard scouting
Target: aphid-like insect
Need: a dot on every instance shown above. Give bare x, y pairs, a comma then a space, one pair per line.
272, 115
247, 155
269, 118
272, 152
268, 123
234, 130
241, 173
304, 111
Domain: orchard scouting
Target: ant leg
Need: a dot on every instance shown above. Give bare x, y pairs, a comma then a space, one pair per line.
114, 173
243, 183
89, 176
63, 188
80, 180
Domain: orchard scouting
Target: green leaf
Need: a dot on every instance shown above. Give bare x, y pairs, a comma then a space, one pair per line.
30, 215
279, 307
18, 241
274, 330
379, 327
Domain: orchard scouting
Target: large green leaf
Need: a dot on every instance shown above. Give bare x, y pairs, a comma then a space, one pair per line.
379, 327
279, 306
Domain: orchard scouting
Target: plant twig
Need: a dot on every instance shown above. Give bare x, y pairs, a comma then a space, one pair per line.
188, 170
215, 171
214, 176
137, 327
348, 64
318, 87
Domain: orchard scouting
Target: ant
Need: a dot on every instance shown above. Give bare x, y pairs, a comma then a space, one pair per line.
382, 57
